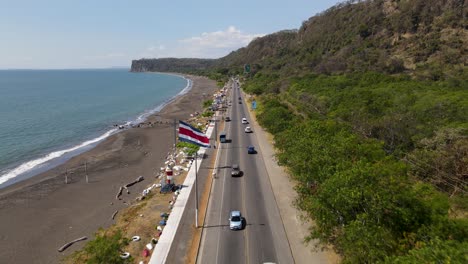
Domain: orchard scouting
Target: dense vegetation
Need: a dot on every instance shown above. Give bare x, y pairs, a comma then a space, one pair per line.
425, 38
375, 157
368, 106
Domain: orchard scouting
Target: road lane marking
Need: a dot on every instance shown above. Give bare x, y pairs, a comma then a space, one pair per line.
227, 127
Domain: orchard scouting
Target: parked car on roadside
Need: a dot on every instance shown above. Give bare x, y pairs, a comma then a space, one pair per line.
248, 130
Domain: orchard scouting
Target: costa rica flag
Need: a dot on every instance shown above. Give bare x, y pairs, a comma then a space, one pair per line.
190, 134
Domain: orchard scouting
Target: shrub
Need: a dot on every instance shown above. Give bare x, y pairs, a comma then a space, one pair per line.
106, 248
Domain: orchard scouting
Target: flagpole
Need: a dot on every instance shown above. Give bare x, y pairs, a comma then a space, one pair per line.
196, 191
175, 133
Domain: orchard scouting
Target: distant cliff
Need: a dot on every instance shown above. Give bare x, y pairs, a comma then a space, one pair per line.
186, 65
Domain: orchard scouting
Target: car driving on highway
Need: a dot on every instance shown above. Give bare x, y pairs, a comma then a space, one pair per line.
248, 130
235, 170
236, 220
244, 120
251, 150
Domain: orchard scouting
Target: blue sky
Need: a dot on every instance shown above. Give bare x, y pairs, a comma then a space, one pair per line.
58, 34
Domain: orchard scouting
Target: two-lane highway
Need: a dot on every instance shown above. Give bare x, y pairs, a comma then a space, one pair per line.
263, 239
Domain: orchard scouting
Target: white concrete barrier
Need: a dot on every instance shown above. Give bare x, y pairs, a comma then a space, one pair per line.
163, 246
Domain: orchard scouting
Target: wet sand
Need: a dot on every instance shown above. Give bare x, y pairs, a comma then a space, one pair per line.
39, 215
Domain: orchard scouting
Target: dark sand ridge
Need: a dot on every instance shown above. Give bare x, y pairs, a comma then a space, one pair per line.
39, 215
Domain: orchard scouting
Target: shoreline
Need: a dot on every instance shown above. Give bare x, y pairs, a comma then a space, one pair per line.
47, 162
42, 213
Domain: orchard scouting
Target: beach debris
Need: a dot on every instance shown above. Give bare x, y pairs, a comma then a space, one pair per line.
114, 214
125, 255
136, 238
139, 179
164, 215
71, 243
149, 246
119, 193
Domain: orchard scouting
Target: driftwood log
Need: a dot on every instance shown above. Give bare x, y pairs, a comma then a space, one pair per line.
114, 214
119, 193
71, 243
139, 179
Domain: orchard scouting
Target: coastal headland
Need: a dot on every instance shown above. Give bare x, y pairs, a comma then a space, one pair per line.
39, 215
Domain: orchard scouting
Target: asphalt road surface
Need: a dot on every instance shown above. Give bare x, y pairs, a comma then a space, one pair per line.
263, 239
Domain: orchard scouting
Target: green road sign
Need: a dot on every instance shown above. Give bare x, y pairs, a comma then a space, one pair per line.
247, 68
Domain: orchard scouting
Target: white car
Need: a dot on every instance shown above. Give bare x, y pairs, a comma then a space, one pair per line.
236, 221
248, 130
244, 120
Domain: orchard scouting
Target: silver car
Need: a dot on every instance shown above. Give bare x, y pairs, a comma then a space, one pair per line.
236, 221
235, 170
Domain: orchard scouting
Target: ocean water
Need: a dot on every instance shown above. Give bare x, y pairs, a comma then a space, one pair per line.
47, 116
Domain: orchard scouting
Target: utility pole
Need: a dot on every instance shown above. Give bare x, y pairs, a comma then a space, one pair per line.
86, 171
66, 176
175, 133
196, 190
216, 128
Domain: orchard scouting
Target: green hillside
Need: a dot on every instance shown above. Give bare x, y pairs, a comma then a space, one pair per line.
427, 38
368, 105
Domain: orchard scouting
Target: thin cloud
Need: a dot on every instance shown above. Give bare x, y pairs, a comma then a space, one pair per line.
156, 48
106, 56
218, 43
208, 45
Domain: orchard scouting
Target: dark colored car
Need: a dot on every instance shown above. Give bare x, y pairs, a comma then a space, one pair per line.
251, 150
235, 170
227, 119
